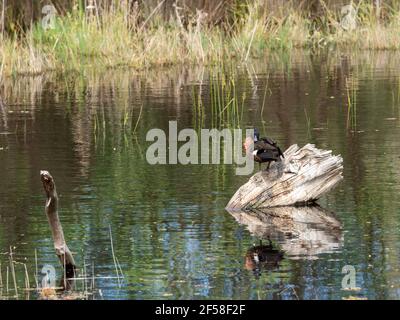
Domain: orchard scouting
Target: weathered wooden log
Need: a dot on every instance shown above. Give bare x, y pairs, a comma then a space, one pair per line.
51, 209
300, 231
303, 176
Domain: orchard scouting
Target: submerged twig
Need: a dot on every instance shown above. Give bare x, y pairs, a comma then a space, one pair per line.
36, 271
138, 119
13, 272
114, 257
27, 281
7, 280
1, 277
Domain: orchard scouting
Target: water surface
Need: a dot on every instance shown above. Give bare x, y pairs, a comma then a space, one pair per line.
171, 233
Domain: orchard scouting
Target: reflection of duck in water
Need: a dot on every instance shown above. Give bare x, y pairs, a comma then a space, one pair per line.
265, 149
263, 257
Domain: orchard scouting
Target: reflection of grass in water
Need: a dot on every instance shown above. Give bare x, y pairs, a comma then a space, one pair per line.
266, 90
198, 108
396, 98
269, 91
99, 128
308, 121
128, 119
351, 92
226, 103
127, 127
398, 90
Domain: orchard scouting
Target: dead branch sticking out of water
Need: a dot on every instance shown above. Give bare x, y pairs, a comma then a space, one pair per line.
51, 209
67, 289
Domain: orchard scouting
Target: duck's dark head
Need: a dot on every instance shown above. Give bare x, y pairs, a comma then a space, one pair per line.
256, 135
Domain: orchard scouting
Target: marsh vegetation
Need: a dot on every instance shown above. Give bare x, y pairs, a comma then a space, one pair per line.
141, 34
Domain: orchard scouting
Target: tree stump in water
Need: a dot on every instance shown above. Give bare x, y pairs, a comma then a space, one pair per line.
303, 176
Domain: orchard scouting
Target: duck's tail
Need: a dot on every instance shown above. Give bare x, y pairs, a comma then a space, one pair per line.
280, 152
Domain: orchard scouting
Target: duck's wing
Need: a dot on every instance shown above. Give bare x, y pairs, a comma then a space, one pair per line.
269, 141
262, 145
270, 144
268, 155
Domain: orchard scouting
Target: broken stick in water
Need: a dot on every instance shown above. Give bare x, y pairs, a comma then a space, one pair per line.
51, 209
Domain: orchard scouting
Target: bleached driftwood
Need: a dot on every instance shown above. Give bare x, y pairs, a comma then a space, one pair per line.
300, 231
303, 176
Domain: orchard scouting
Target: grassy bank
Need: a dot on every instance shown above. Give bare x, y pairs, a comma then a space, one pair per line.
107, 38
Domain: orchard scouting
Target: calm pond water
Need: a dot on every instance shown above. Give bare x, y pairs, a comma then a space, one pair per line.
172, 236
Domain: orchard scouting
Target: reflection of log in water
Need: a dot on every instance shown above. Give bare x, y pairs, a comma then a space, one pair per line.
301, 231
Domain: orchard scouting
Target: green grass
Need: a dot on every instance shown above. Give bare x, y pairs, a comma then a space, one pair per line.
114, 38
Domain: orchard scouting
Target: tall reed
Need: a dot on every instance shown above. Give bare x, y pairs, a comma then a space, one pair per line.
225, 101
351, 91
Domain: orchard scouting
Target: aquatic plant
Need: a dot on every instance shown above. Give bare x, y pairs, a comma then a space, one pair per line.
351, 91
81, 286
225, 101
